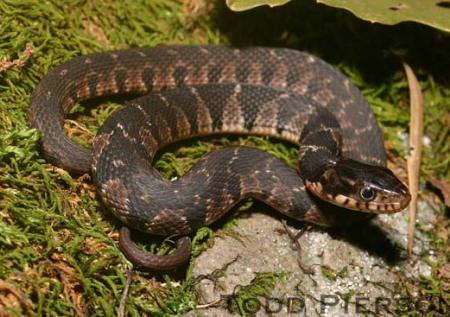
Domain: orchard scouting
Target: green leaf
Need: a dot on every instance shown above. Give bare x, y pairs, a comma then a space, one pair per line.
242, 5
433, 13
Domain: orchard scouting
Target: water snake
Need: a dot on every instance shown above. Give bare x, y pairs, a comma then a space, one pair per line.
204, 90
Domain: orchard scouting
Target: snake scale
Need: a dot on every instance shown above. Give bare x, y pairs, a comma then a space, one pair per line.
205, 90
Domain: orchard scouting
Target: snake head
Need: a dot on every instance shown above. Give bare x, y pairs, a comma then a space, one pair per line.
362, 187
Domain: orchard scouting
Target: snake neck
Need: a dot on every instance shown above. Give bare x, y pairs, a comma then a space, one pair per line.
342, 181
320, 145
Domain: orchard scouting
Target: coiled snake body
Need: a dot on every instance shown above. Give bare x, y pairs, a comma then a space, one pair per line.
280, 93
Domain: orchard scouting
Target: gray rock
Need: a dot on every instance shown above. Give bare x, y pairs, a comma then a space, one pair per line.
345, 267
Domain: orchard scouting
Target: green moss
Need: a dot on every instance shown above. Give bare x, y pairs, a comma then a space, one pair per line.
58, 246
247, 299
329, 273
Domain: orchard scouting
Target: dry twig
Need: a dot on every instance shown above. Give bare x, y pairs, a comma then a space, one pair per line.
415, 145
126, 288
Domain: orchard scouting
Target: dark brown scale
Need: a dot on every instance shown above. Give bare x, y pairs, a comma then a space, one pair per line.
150, 113
292, 96
220, 180
147, 69
144, 259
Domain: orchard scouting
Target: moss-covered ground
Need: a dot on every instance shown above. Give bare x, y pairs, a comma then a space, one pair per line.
58, 245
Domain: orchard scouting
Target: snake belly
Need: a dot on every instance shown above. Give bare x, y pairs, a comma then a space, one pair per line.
263, 91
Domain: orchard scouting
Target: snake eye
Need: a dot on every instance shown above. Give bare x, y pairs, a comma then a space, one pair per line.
367, 193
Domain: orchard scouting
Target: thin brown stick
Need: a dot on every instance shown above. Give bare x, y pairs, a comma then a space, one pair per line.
296, 246
123, 300
415, 146
211, 304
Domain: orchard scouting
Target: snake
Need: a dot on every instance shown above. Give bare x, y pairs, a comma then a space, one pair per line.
189, 91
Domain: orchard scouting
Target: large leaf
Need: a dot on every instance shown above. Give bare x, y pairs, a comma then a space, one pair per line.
435, 13
430, 12
242, 5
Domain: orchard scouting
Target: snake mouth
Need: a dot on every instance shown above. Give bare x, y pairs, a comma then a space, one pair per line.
370, 207
381, 206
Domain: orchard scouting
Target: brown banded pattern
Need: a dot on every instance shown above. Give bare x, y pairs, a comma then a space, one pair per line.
144, 70
156, 120
206, 90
